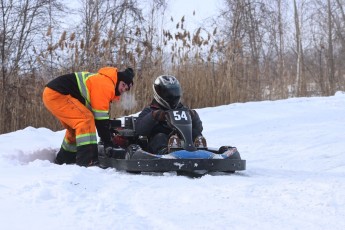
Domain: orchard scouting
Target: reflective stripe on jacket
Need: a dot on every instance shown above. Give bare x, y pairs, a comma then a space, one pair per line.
94, 90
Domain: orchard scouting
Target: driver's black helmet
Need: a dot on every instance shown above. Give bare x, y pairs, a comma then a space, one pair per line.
167, 91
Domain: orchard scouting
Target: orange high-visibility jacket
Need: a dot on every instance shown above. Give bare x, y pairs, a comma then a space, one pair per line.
94, 90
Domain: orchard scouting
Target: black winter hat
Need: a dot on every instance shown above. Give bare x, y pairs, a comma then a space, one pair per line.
126, 76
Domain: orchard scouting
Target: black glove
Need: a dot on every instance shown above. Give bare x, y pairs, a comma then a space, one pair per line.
159, 115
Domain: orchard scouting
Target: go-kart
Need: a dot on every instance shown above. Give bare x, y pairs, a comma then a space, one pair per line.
131, 155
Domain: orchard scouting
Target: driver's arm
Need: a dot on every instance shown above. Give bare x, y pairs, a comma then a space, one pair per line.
196, 124
145, 122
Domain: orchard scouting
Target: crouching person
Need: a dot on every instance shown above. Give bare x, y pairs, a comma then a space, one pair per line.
81, 102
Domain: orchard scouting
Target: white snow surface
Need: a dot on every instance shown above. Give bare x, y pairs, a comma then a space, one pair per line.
295, 177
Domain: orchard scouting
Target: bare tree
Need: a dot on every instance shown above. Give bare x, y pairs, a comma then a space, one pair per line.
330, 49
339, 27
105, 24
281, 48
300, 72
21, 22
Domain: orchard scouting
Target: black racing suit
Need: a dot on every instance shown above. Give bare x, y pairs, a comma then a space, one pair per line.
158, 132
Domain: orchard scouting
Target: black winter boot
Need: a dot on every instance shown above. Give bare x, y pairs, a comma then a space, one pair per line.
65, 157
87, 155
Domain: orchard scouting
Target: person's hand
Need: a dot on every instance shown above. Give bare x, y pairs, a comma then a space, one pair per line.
159, 115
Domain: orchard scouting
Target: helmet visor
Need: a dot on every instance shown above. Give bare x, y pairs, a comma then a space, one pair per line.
171, 95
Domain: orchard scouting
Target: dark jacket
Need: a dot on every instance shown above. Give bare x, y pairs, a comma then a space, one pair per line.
147, 126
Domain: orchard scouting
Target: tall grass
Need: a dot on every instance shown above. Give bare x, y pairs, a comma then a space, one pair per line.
211, 73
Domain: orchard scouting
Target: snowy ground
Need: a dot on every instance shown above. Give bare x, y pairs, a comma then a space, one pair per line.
295, 177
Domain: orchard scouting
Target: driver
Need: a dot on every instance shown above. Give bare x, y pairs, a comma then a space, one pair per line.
151, 122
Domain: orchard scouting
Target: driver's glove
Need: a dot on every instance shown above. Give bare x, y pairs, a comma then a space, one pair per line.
159, 115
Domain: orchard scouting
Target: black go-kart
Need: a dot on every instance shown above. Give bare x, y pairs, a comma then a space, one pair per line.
131, 155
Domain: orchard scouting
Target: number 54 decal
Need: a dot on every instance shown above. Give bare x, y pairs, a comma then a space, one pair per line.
179, 115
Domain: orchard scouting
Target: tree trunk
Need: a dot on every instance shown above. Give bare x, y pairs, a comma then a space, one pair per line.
330, 50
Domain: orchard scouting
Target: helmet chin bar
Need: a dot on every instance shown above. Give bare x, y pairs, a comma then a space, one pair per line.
160, 100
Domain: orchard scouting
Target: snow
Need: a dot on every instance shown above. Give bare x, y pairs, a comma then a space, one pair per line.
295, 177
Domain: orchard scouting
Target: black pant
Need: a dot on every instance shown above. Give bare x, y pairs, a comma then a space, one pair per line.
158, 144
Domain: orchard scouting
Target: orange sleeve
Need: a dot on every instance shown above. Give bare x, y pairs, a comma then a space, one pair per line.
102, 92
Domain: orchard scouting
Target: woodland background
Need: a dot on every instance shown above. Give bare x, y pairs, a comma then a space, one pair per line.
252, 50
